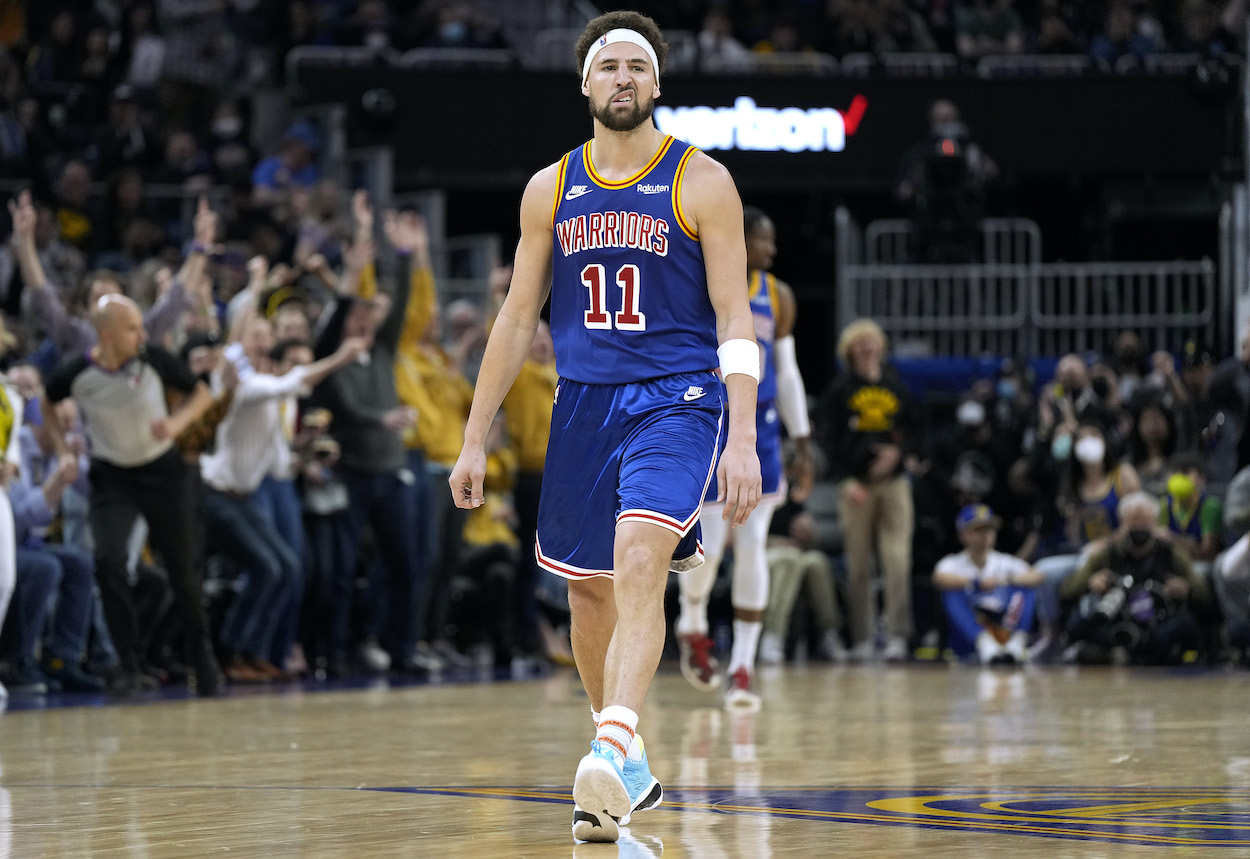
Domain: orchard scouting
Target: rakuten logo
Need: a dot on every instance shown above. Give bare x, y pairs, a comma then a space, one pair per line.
764, 129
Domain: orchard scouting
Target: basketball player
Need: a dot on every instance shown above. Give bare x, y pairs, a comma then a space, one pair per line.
781, 392
638, 237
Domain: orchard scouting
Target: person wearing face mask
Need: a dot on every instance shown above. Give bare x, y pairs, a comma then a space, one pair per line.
1072, 396
1014, 408
1091, 482
1129, 359
1093, 485
1137, 598
229, 151
976, 432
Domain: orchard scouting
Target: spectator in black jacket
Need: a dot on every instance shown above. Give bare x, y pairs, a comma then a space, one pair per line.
368, 422
871, 424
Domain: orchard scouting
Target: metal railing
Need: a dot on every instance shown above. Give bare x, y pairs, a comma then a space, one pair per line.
1004, 241
1036, 65
551, 48
1015, 304
900, 65
482, 59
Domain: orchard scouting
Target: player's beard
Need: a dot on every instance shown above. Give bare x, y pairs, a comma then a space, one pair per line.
623, 120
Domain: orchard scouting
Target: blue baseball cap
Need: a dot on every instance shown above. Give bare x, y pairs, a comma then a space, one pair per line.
976, 516
306, 133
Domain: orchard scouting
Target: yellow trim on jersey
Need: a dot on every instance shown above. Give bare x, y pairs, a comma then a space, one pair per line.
755, 280
678, 178
560, 175
774, 297
624, 183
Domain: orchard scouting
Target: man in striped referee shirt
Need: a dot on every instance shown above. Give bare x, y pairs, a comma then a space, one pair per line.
120, 387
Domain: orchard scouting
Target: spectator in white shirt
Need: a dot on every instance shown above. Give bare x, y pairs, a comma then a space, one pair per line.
251, 444
988, 595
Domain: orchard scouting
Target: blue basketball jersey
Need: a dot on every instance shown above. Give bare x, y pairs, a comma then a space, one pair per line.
629, 294
762, 289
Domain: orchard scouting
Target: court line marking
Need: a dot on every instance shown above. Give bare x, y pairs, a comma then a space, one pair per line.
902, 818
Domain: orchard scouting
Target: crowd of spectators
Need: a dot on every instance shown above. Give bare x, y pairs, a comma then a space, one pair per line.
729, 33
315, 387
316, 408
1110, 497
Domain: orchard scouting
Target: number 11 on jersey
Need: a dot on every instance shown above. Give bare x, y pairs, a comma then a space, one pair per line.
629, 317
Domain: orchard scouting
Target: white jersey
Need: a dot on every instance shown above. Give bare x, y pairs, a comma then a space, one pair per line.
1000, 569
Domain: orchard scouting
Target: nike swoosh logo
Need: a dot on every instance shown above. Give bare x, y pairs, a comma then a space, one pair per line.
574, 193
693, 395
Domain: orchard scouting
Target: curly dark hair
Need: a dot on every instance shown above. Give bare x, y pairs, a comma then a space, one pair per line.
618, 20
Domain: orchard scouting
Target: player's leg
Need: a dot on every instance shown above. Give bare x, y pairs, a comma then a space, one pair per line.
750, 598
698, 665
666, 465
592, 608
696, 585
643, 552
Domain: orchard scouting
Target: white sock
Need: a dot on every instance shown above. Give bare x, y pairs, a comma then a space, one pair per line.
1018, 646
692, 616
616, 731
696, 588
987, 647
746, 641
635, 749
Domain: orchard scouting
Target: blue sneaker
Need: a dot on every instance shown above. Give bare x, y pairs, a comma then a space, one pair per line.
644, 788
645, 792
600, 797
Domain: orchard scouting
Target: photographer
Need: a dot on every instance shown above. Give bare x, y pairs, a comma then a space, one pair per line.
942, 179
1138, 597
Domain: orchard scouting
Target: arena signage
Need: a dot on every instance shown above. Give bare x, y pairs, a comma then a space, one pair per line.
750, 128
778, 133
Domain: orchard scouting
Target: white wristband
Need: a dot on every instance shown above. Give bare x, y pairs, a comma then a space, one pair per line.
739, 356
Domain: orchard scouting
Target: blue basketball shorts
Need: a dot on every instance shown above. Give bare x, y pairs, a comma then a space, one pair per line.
767, 448
644, 451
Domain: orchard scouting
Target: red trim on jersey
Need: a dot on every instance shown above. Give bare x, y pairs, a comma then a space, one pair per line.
624, 183
678, 178
561, 175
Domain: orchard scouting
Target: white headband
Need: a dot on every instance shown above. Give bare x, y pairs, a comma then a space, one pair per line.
612, 37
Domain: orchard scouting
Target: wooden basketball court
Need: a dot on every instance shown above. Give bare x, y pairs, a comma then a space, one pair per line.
865, 761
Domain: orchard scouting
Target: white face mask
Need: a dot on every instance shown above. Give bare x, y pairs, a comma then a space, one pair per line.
1090, 450
970, 413
227, 126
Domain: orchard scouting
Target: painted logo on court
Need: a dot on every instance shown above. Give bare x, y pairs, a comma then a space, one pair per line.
1164, 816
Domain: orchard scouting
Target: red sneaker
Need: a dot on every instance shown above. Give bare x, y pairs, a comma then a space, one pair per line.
741, 694
698, 665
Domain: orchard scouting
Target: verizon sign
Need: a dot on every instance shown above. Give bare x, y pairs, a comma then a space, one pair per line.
748, 127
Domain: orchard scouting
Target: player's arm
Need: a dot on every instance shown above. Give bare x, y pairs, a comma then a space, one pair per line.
511, 335
791, 392
712, 201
